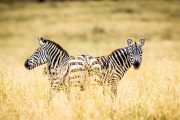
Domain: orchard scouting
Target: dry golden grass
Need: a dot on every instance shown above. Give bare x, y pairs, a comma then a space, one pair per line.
95, 28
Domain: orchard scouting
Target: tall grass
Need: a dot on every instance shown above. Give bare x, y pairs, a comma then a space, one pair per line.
149, 93
94, 28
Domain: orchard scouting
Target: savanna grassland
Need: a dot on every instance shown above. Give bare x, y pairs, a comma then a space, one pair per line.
94, 28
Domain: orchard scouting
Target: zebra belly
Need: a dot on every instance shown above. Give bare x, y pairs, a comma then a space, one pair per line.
95, 72
77, 73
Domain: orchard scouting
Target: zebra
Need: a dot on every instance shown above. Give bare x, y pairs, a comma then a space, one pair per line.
63, 70
112, 67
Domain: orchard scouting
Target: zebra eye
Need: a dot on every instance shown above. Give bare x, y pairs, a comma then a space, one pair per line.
44, 41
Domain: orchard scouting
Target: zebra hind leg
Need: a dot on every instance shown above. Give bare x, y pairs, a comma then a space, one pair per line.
52, 95
105, 90
79, 93
67, 91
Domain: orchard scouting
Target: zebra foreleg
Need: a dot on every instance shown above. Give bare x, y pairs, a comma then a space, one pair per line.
113, 87
55, 87
114, 90
46, 71
66, 89
53, 92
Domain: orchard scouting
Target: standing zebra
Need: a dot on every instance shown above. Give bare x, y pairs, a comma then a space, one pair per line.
113, 66
64, 70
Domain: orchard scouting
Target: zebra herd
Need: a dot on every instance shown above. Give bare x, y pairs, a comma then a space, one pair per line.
65, 71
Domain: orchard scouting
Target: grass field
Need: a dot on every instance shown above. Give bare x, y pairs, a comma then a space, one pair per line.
94, 28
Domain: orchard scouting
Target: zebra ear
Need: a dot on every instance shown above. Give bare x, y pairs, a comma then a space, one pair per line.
141, 42
130, 42
41, 41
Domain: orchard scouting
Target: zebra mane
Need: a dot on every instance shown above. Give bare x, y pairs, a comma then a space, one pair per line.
57, 45
119, 49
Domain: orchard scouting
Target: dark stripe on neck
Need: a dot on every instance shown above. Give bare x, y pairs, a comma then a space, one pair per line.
57, 54
121, 57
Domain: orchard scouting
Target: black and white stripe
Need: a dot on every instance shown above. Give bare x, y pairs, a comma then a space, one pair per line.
113, 66
48, 52
63, 70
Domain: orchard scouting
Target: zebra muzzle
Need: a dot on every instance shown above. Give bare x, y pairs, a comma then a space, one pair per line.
136, 65
26, 64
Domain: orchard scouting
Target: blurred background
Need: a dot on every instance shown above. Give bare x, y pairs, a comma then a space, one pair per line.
95, 28
88, 27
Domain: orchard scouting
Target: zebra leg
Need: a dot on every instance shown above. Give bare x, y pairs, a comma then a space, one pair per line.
46, 71
55, 88
81, 89
113, 89
104, 90
114, 93
67, 91
53, 92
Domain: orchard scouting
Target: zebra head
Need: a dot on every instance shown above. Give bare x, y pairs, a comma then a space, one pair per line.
39, 57
135, 52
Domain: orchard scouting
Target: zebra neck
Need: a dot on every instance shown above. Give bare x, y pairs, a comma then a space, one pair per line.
120, 59
58, 58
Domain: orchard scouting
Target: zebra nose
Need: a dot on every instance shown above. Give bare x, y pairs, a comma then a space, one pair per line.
136, 64
27, 65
